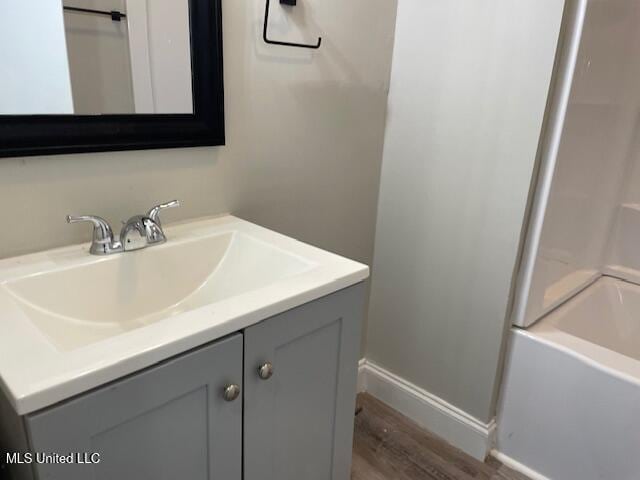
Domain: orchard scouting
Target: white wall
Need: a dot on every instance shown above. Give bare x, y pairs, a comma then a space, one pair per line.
599, 135
34, 75
468, 92
170, 52
160, 55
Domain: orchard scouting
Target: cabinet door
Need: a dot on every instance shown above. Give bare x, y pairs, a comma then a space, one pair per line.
166, 423
298, 424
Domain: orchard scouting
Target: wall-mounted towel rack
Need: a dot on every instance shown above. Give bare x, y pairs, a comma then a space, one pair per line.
114, 14
286, 44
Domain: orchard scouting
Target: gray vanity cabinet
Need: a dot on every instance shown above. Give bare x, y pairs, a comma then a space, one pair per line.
169, 422
288, 417
300, 379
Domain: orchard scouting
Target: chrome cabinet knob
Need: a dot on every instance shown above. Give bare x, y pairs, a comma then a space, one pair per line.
231, 392
265, 371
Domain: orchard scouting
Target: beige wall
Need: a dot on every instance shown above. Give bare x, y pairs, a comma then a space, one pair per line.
304, 143
468, 92
99, 61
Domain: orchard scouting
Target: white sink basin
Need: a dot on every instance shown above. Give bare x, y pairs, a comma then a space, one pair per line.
71, 321
86, 303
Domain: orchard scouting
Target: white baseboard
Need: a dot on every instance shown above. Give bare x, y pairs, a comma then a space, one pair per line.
517, 466
429, 411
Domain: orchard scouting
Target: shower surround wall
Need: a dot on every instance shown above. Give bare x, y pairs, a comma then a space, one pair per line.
597, 138
468, 93
572, 378
623, 255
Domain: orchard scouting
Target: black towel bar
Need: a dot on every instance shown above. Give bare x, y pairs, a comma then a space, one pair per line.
114, 14
286, 44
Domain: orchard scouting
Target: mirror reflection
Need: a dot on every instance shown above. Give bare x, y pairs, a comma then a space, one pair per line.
97, 57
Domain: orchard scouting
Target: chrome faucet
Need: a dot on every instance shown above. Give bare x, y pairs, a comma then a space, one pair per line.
103, 242
140, 231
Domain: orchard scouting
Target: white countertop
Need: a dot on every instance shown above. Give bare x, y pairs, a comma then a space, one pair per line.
35, 373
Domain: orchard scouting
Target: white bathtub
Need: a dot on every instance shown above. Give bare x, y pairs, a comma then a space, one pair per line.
570, 400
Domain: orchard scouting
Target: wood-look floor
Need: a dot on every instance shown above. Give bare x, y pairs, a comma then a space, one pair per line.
389, 446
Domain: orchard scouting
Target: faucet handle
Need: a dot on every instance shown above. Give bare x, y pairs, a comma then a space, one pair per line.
102, 234
101, 229
154, 213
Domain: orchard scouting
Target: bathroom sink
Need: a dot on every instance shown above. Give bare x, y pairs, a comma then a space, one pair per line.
86, 303
71, 321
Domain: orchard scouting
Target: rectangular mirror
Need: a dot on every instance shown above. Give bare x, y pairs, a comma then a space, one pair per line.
94, 75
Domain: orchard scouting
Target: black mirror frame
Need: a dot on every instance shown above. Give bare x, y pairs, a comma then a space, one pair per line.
27, 135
